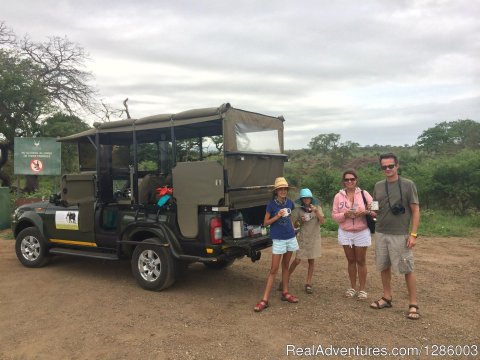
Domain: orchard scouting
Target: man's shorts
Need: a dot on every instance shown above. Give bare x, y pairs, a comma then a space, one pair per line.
391, 251
282, 246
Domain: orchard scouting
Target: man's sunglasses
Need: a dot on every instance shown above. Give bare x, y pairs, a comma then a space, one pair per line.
349, 180
385, 167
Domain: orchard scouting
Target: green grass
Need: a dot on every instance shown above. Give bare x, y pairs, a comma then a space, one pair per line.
6, 235
443, 223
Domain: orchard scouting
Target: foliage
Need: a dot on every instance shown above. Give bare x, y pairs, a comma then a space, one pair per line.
59, 125
147, 165
324, 183
23, 98
457, 182
329, 145
450, 137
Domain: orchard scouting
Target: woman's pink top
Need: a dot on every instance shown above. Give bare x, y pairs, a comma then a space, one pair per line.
342, 205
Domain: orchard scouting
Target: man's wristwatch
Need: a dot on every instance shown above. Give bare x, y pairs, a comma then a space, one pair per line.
415, 235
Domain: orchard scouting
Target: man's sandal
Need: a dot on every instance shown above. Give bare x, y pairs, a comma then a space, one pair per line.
413, 315
386, 304
362, 295
308, 289
289, 297
263, 304
350, 293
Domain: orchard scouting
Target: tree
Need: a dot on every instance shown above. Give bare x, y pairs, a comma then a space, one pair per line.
330, 145
450, 137
22, 102
61, 124
457, 182
37, 79
324, 143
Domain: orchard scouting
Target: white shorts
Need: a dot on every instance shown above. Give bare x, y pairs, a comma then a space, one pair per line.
360, 239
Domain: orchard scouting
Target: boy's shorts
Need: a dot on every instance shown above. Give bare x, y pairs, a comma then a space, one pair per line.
391, 251
282, 246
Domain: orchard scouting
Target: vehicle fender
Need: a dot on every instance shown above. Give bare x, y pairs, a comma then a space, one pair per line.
29, 219
138, 233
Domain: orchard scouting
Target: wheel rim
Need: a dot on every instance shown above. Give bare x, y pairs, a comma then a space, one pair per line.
30, 248
149, 265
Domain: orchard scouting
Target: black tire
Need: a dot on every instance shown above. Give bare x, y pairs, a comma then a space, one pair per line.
31, 248
219, 265
153, 265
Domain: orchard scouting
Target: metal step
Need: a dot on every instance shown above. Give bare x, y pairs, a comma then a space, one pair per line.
83, 253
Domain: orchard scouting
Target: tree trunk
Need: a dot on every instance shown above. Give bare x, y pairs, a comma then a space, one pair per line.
31, 183
5, 179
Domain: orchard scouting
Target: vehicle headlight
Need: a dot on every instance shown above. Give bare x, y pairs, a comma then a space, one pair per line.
16, 214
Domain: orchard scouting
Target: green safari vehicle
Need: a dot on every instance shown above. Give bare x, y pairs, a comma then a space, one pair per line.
152, 190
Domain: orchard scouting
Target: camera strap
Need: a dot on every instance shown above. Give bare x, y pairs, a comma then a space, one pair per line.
388, 194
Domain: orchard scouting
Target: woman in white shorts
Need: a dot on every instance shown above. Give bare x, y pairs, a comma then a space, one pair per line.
349, 212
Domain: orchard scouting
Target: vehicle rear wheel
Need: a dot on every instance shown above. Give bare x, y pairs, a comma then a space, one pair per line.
153, 265
220, 264
31, 248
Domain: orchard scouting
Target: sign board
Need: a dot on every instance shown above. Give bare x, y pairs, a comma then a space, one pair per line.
37, 156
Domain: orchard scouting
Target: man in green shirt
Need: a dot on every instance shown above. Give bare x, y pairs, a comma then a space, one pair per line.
398, 218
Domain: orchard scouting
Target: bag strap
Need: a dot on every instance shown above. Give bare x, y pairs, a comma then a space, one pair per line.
364, 199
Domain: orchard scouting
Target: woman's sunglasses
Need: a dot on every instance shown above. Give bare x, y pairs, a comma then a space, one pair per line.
349, 179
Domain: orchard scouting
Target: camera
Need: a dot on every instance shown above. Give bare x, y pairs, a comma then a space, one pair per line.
398, 209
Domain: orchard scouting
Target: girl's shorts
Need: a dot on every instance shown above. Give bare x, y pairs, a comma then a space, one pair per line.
282, 246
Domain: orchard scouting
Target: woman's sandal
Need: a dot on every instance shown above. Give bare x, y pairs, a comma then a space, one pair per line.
308, 289
289, 297
386, 304
362, 295
413, 315
350, 293
262, 304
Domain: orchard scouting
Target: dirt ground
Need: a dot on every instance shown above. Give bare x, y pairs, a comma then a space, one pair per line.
78, 308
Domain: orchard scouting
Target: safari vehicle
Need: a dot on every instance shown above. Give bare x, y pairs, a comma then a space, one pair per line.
112, 208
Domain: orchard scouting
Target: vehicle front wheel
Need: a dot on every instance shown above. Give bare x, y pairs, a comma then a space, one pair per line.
31, 248
153, 266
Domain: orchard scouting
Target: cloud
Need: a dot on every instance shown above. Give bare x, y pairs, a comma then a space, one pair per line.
373, 71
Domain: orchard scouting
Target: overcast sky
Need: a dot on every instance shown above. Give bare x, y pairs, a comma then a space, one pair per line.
375, 72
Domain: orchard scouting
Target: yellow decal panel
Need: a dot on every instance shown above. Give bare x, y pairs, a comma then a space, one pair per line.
73, 242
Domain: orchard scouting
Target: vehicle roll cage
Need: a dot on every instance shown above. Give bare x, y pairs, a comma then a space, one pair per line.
197, 123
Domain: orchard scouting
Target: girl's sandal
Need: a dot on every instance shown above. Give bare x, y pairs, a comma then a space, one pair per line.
350, 293
308, 289
362, 295
289, 297
263, 304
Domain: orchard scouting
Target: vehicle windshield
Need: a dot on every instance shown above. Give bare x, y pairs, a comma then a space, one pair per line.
252, 138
